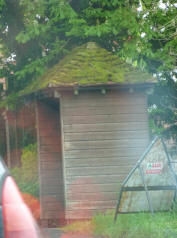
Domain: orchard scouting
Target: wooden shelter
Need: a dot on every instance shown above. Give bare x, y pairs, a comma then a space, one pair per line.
92, 126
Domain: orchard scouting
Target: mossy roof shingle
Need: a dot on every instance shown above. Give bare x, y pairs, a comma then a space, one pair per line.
89, 65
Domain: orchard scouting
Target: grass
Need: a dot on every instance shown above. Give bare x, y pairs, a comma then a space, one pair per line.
141, 225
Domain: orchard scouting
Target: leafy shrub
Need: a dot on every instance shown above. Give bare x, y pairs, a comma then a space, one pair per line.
26, 176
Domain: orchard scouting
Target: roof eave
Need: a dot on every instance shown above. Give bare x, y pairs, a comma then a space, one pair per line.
102, 85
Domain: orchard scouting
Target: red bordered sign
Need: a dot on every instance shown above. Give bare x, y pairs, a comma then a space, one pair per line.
154, 168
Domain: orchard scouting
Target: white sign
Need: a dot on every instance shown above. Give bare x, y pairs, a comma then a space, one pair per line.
154, 168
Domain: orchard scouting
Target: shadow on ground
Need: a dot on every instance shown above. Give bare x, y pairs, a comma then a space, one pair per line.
56, 233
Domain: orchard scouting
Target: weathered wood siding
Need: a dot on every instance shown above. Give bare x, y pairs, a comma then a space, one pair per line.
104, 136
50, 162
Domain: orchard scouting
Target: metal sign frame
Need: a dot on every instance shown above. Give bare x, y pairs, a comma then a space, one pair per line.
145, 187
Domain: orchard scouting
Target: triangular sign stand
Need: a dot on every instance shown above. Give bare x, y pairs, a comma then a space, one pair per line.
152, 184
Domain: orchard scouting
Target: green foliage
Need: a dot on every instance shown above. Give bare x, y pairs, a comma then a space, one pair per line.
26, 176
20, 138
1, 4
42, 31
143, 225
39, 33
163, 110
3, 144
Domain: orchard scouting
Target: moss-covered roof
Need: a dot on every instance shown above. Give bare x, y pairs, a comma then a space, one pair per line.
89, 65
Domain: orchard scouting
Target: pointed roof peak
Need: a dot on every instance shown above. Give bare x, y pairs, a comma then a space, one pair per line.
89, 65
91, 45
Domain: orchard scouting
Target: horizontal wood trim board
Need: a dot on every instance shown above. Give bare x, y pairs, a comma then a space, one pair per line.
106, 104
97, 183
89, 204
99, 196
106, 127
93, 162
118, 135
104, 118
101, 100
94, 179
101, 110
98, 170
94, 188
90, 207
87, 145
104, 153
110, 94
92, 202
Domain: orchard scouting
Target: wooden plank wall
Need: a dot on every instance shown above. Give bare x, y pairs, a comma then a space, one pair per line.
104, 136
50, 162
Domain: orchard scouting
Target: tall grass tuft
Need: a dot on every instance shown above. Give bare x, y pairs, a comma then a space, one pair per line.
140, 225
